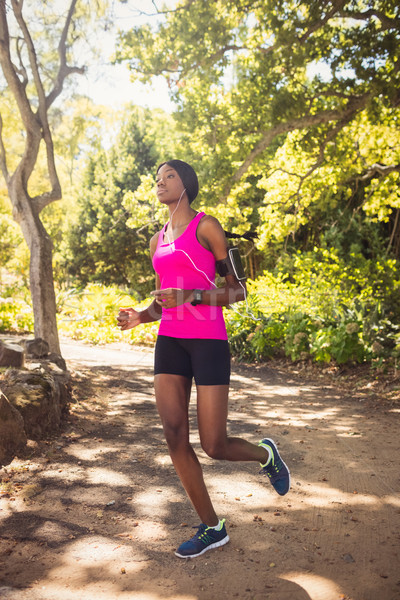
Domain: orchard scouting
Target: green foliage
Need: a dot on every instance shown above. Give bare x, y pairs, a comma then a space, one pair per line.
287, 110
320, 307
14, 255
323, 341
16, 310
107, 243
90, 315
10, 237
351, 189
351, 331
253, 336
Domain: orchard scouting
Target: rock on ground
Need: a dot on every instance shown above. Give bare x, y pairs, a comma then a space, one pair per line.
12, 433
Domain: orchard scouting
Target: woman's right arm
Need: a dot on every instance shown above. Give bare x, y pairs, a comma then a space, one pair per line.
129, 317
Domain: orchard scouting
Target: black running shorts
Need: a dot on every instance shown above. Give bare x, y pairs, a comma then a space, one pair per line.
208, 361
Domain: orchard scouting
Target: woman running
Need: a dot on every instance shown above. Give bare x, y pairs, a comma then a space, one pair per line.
192, 344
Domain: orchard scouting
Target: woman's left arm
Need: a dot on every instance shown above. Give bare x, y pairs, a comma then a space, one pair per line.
210, 235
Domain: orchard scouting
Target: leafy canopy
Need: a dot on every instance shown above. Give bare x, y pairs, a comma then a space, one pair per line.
247, 75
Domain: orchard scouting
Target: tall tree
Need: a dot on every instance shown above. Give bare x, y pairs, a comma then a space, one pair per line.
35, 52
102, 245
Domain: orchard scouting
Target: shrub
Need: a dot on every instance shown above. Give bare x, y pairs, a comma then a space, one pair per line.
91, 315
16, 315
317, 307
313, 307
254, 336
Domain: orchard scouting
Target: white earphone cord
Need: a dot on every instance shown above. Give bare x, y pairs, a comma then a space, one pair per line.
249, 312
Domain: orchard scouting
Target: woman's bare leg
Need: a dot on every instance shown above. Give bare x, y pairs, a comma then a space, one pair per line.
172, 397
212, 413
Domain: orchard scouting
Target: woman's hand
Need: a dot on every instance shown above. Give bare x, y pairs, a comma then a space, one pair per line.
171, 297
128, 318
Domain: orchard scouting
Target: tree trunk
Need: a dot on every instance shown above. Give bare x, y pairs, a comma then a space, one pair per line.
42, 287
41, 268
17, 69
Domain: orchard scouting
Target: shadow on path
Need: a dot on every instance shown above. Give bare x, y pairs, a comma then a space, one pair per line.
97, 512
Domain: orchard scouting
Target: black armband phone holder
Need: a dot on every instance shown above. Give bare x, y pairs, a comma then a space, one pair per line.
231, 265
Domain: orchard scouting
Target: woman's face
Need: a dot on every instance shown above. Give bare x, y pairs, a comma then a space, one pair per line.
169, 186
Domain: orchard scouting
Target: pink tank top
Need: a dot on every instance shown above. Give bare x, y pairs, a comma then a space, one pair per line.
186, 264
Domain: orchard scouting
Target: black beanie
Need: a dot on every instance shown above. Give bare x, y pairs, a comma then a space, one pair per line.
187, 175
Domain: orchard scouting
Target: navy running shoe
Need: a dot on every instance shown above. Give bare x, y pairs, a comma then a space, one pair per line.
205, 539
276, 469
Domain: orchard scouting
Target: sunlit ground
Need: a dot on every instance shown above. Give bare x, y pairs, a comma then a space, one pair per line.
99, 513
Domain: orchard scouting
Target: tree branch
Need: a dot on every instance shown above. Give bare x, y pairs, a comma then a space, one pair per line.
22, 69
39, 202
55, 193
378, 170
64, 70
18, 89
17, 8
3, 156
164, 12
218, 54
36, 125
386, 22
10, 73
396, 222
303, 122
321, 22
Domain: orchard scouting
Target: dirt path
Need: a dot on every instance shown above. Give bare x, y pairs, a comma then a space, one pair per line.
96, 513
